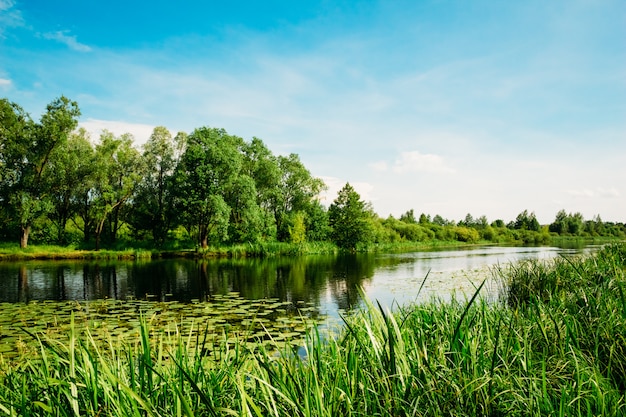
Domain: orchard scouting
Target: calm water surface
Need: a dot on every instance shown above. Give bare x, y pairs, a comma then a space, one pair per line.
329, 283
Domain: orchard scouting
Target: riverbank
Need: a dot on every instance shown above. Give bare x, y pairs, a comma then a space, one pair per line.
554, 345
128, 251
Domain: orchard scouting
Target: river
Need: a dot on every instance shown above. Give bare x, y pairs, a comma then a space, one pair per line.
330, 284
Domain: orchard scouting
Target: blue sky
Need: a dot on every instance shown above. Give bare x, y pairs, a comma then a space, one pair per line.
444, 107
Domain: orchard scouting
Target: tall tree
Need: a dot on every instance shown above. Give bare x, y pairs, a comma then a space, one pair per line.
207, 169
71, 166
298, 192
153, 205
25, 155
349, 219
118, 174
262, 166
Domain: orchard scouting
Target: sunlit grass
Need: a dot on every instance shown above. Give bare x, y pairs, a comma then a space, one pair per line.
556, 345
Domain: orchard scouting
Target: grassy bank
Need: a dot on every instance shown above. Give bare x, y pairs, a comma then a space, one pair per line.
555, 345
12, 252
130, 250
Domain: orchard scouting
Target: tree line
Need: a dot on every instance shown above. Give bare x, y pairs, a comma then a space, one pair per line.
207, 186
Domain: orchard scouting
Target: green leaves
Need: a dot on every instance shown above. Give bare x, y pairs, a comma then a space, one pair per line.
349, 219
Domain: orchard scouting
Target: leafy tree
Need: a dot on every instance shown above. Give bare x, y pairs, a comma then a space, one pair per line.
408, 217
246, 217
525, 221
297, 231
209, 165
349, 219
25, 155
567, 223
153, 204
71, 166
498, 223
316, 222
298, 192
440, 220
118, 174
424, 219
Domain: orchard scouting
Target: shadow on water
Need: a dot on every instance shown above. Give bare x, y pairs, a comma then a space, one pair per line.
304, 279
329, 283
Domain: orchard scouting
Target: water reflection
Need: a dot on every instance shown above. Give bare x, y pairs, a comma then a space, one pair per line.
330, 283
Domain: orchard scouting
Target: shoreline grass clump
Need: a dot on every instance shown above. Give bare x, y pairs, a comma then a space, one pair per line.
555, 345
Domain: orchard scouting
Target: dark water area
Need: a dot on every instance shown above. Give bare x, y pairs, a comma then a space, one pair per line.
330, 283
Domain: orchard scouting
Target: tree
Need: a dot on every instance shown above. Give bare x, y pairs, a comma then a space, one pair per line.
525, 221
207, 169
71, 166
153, 206
349, 219
298, 191
118, 174
567, 223
262, 166
408, 217
25, 155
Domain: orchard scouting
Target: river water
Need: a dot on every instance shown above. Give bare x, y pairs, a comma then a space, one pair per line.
330, 284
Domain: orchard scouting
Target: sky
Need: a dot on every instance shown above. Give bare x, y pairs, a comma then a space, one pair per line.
445, 107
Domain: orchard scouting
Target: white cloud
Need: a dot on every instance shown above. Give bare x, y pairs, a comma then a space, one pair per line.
5, 82
336, 184
609, 192
140, 132
413, 161
69, 40
9, 16
598, 192
380, 166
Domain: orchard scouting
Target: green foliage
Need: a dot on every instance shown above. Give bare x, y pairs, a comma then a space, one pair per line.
564, 223
349, 219
25, 152
297, 230
556, 346
56, 186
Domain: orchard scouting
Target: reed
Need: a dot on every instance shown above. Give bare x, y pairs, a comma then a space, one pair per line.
555, 345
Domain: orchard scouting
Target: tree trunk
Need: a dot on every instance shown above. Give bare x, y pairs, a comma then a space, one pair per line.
204, 236
24, 236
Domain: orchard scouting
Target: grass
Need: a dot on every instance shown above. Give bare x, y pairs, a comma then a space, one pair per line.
12, 251
555, 345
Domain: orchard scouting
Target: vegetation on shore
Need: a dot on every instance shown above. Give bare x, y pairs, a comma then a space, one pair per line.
207, 189
554, 345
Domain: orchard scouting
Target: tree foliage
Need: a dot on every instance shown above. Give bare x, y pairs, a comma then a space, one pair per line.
208, 186
349, 219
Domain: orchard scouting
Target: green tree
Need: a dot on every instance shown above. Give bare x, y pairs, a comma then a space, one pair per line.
349, 219
297, 231
117, 177
525, 221
70, 169
153, 204
298, 191
408, 217
209, 165
262, 166
25, 155
246, 217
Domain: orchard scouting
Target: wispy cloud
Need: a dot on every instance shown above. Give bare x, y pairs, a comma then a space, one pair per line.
68, 40
595, 193
414, 161
9, 16
140, 132
5, 82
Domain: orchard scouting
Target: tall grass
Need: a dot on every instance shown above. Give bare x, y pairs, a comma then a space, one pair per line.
556, 345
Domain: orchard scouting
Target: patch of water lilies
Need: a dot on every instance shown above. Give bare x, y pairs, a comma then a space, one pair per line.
225, 319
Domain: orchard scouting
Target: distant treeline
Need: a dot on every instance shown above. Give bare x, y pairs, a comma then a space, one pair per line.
203, 188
